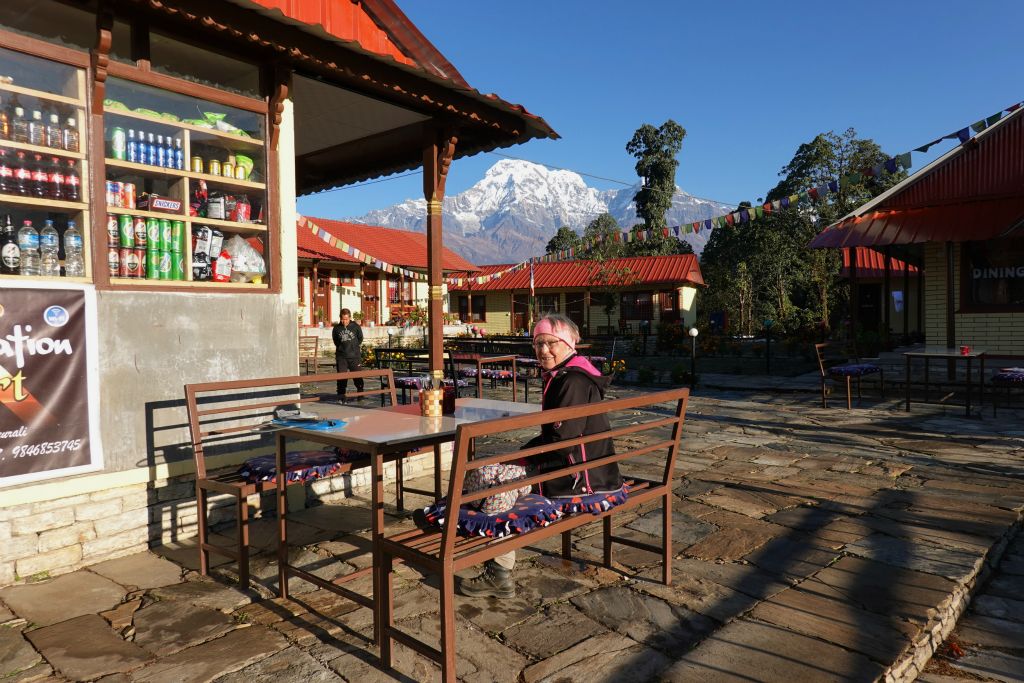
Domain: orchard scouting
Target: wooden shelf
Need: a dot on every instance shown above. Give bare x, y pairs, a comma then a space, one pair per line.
45, 278
228, 182
156, 120
21, 90
228, 225
141, 282
146, 169
146, 214
43, 204
52, 151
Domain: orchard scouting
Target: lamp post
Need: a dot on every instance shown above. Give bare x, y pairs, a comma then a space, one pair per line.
693, 356
768, 322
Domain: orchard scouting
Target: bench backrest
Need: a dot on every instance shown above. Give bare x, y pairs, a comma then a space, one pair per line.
309, 346
236, 412
825, 361
662, 422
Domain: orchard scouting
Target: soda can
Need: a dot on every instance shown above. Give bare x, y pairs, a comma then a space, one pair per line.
139, 228
239, 172
177, 266
164, 266
165, 234
124, 256
113, 261
213, 167
152, 264
112, 230
153, 234
125, 232
177, 236
197, 164
118, 143
139, 259
114, 197
228, 169
128, 195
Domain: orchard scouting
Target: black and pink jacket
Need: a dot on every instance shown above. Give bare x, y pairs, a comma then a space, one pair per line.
576, 382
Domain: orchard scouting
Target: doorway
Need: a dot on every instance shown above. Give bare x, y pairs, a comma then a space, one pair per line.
371, 298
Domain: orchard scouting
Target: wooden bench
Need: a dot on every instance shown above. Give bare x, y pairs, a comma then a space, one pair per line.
444, 551
233, 417
1001, 380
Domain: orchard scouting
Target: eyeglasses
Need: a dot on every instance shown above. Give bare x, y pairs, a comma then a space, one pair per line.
550, 344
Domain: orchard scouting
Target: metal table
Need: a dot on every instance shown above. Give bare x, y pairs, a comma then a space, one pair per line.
480, 360
943, 353
381, 432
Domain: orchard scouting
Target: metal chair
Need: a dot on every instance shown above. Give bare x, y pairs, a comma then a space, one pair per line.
846, 372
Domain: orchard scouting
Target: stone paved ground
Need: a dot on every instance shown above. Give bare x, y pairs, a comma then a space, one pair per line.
810, 545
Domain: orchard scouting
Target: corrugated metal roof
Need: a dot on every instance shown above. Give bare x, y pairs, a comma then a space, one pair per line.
398, 247
647, 270
871, 264
974, 192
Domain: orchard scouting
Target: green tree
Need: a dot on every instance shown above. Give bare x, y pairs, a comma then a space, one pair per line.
655, 150
565, 238
656, 244
599, 241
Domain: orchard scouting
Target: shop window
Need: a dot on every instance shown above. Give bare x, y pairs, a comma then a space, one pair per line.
992, 276
346, 278
479, 309
547, 303
51, 21
184, 60
400, 293
636, 306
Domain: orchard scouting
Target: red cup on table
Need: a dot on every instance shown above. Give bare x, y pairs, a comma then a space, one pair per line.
964, 350
448, 400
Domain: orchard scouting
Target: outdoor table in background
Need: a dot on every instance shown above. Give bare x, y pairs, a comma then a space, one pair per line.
480, 360
380, 432
953, 355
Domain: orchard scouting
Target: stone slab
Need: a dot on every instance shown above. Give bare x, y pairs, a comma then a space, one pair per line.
999, 607
751, 651
85, 648
607, 657
696, 593
792, 557
186, 552
16, 654
991, 632
139, 571
946, 562
204, 593
686, 530
215, 658
992, 666
46, 602
552, 630
728, 544
290, 664
164, 628
1006, 586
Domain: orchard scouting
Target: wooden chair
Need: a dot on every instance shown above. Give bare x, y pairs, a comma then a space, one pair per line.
309, 353
232, 417
445, 551
846, 372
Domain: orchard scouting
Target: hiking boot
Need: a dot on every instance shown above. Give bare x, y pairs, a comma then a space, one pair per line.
494, 581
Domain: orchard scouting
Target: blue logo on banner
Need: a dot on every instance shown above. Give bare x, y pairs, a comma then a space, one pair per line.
56, 316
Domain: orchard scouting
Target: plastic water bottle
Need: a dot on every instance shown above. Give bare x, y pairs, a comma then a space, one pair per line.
49, 248
28, 243
74, 260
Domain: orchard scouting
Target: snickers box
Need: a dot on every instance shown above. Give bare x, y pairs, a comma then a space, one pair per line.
154, 202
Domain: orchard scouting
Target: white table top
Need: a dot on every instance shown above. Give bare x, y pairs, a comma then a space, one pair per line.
399, 425
943, 352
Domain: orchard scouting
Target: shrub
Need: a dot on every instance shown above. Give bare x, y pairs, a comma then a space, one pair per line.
680, 375
645, 375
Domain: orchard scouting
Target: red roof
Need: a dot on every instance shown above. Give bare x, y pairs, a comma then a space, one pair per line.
871, 264
975, 192
646, 270
397, 247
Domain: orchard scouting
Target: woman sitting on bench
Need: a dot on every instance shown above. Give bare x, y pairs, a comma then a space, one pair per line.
569, 380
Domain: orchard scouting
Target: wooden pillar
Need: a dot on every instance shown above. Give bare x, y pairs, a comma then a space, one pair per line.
920, 296
906, 300
854, 299
950, 312
438, 151
887, 294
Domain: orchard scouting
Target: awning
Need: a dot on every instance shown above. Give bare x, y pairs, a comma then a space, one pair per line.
965, 221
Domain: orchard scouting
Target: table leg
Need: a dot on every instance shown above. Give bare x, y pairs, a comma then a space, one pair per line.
282, 520
437, 472
908, 383
376, 531
479, 379
513, 380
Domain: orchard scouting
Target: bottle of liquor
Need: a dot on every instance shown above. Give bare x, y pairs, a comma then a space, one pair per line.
70, 139
56, 177
74, 259
22, 175
40, 178
49, 248
28, 243
54, 134
6, 174
10, 254
19, 126
72, 183
36, 129
5, 124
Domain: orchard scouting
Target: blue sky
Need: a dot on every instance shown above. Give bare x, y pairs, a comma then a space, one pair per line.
749, 81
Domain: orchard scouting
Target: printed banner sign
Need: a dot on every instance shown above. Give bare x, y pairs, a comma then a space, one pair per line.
44, 384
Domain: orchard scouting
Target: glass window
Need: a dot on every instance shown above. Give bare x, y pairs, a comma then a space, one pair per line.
547, 303
51, 21
993, 274
479, 309
346, 278
184, 60
399, 292
636, 306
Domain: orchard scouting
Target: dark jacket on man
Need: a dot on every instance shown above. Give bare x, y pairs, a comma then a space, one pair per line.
573, 383
348, 339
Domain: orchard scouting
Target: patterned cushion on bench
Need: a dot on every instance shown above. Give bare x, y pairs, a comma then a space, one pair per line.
529, 512
1008, 377
596, 503
854, 370
301, 465
496, 374
409, 382
468, 372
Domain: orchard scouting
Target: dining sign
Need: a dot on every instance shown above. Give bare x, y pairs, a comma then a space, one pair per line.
44, 384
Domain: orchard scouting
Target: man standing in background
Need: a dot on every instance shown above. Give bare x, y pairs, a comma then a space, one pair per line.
348, 340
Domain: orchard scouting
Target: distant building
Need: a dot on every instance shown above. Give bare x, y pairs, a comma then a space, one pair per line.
617, 295
331, 279
904, 301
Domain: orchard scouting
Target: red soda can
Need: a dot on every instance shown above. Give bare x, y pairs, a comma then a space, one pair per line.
139, 259
114, 197
124, 254
114, 261
141, 236
130, 263
113, 232
128, 195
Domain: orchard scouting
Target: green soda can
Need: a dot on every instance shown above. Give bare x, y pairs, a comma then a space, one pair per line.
178, 237
152, 234
165, 265
177, 265
125, 232
165, 234
152, 264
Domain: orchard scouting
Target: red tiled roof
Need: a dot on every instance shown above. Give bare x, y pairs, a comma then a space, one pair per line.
643, 270
397, 247
871, 264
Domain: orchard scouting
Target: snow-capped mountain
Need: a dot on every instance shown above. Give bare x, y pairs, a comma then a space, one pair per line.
518, 206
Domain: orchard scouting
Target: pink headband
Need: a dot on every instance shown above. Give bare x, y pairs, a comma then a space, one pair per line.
545, 326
